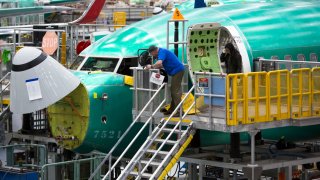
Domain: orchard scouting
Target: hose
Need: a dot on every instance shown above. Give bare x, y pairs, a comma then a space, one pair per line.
175, 172
275, 154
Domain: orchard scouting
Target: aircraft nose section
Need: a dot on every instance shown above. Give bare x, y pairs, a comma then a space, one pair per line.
37, 81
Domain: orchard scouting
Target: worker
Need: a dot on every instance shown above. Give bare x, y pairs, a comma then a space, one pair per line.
174, 68
232, 59
233, 64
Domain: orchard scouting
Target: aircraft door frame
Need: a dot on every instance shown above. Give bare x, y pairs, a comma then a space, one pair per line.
246, 67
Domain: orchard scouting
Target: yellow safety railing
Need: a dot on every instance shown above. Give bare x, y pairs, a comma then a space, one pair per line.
315, 91
236, 112
301, 100
256, 97
276, 95
279, 95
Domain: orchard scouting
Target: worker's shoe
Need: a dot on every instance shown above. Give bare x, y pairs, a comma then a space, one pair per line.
168, 112
163, 110
177, 114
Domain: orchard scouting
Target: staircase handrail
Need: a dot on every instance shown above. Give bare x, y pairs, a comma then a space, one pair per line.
140, 131
4, 77
290, 61
170, 134
170, 152
2, 90
158, 132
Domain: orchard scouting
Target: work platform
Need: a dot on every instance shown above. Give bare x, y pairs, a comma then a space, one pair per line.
254, 101
217, 124
243, 102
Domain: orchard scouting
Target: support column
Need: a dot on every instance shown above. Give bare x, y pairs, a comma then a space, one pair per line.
252, 136
235, 145
225, 170
176, 37
10, 158
202, 171
252, 170
192, 171
95, 164
234, 174
42, 156
253, 164
289, 172
76, 170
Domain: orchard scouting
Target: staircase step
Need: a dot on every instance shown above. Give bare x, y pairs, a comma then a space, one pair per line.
6, 101
177, 119
152, 163
163, 153
170, 142
169, 130
144, 175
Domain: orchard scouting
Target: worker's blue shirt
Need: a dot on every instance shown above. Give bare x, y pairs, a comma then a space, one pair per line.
170, 62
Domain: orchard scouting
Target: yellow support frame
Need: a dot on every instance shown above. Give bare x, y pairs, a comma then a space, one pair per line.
257, 94
315, 91
278, 81
236, 98
300, 87
64, 48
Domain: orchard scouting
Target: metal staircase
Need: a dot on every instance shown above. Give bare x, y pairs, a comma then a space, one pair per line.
5, 114
163, 147
4, 95
166, 142
170, 146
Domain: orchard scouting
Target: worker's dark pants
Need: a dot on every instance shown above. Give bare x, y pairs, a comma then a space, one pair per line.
176, 90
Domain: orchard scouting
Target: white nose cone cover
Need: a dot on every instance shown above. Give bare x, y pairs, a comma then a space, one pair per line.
37, 81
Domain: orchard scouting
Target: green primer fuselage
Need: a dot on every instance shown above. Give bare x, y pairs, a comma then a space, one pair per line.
100, 135
267, 29
104, 104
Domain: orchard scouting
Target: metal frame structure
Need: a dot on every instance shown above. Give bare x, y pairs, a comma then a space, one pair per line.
132, 13
183, 42
42, 154
153, 138
94, 161
283, 64
72, 35
258, 167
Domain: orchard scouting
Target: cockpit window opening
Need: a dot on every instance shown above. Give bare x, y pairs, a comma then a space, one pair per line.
301, 57
77, 62
288, 57
125, 65
100, 64
313, 57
